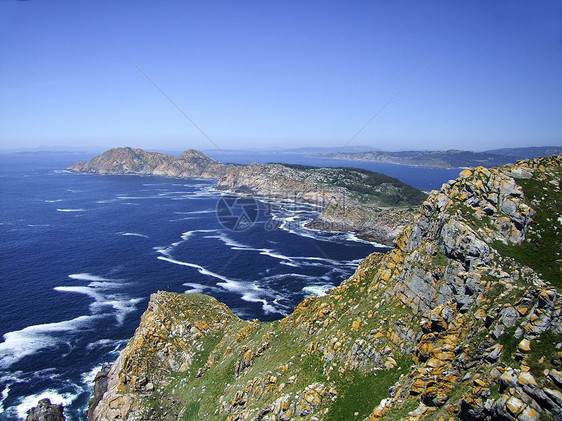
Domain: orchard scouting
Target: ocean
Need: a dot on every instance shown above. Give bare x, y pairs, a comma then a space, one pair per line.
81, 254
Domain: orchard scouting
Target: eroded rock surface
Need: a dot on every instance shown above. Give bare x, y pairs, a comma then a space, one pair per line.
461, 320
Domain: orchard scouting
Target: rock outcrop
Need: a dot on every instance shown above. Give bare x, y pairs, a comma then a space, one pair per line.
375, 206
45, 411
462, 320
124, 161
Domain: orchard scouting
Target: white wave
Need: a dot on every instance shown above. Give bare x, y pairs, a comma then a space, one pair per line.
195, 288
186, 235
200, 269
71, 210
282, 276
90, 376
38, 225
91, 292
249, 293
31, 400
53, 201
133, 234
121, 305
195, 212
235, 245
21, 343
317, 290
3, 396
87, 277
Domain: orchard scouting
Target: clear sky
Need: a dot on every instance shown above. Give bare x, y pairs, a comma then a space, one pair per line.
280, 73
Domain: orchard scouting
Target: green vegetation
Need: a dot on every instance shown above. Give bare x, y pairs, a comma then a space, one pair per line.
543, 350
509, 343
360, 392
384, 188
542, 249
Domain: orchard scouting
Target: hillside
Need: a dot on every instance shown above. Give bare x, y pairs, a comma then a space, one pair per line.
462, 320
375, 206
123, 161
449, 158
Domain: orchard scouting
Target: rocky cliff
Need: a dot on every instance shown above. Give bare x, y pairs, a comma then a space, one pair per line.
462, 320
191, 163
374, 205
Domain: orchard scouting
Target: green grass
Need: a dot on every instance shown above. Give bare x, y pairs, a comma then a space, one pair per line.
543, 250
360, 393
543, 346
509, 343
386, 189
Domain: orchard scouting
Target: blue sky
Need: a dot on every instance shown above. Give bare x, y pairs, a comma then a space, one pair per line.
253, 74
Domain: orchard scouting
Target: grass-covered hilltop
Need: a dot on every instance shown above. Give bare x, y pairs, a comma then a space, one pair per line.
461, 320
374, 205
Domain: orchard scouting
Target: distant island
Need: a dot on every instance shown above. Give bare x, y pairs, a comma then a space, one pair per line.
375, 206
447, 159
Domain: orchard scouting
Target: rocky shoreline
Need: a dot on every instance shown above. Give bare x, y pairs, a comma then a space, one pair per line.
374, 206
454, 323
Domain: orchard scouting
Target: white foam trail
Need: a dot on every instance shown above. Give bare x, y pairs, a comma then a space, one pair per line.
87, 277
82, 290
3, 396
71, 210
235, 245
186, 235
121, 305
195, 212
290, 276
200, 269
133, 234
195, 288
27, 341
249, 293
53, 201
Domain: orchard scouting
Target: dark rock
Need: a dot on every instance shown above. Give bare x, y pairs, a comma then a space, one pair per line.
46, 411
100, 387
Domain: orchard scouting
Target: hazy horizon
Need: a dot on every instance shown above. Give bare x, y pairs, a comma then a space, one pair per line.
391, 76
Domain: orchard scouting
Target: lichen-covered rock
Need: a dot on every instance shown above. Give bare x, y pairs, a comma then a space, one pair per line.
462, 320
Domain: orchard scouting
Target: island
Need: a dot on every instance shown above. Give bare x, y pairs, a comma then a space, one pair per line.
375, 206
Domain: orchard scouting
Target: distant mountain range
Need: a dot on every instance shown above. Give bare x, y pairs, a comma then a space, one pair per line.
447, 159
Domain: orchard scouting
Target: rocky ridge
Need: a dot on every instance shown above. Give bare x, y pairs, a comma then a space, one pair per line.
459, 321
376, 206
122, 161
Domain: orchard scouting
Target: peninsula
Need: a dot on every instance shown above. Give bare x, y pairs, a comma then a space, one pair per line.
452, 158
375, 206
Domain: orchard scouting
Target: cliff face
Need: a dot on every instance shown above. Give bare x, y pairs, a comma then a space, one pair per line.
462, 319
352, 199
371, 204
191, 163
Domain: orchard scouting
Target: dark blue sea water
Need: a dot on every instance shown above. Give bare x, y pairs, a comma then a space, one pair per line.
81, 254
